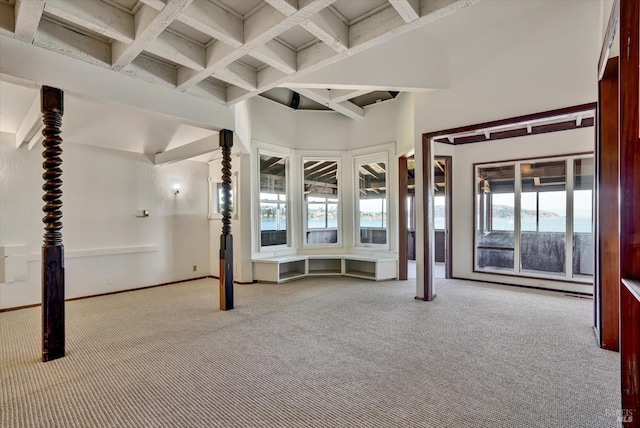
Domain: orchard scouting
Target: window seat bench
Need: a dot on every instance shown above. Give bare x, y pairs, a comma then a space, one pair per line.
290, 267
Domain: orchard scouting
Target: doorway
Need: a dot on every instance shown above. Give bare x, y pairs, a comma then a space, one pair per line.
442, 218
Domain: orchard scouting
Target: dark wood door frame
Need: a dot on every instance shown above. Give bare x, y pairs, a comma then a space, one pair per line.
427, 289
403, 193
448, 232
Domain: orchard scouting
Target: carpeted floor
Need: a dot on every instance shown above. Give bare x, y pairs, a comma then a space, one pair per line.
323, 352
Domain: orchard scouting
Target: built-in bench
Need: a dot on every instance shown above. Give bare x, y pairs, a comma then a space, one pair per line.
287, 268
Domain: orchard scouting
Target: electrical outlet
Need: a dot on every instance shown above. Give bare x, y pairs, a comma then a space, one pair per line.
195, 268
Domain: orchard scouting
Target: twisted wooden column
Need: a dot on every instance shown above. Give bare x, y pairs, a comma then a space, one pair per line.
226, 240
53, 335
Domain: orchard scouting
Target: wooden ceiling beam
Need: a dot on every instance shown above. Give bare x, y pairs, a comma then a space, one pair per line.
149, 24
259, 29
277, 56
409, 10
27, 14
179, 50
95, 15
329, 29
322, 96
372, 31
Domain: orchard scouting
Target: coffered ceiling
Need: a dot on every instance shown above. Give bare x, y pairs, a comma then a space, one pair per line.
228, 50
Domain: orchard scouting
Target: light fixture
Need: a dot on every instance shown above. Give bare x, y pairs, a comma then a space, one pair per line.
176, 189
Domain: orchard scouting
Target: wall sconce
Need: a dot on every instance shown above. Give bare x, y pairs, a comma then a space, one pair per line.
176, 189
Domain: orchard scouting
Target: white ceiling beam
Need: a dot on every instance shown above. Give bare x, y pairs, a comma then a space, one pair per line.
178, 50
239, 75
29, 122
340, 95
409, 10
96, 16
285, 7
379, 25
214, 21
276, 55
210, 91
323, 96
27, 15
318, 56
259, 29
152, 71
328, 28
72, 44
156, 4
149, 24
188, 151
36, 137
263, 25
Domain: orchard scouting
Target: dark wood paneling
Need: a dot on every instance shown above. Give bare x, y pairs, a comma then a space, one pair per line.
607, 278
630, 352
629, 203
403, 193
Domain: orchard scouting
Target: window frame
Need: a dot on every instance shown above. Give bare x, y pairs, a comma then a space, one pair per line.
566, 276
358, 161
305, 203
268, 150
215, 202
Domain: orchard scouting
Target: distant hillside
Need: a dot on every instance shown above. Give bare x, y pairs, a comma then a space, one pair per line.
503, 211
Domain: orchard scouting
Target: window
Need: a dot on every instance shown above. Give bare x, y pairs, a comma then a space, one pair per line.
273, 200
495, 214
535, 217
542, 241
321, 195
583, 173
372, 203
215, 197
439, 214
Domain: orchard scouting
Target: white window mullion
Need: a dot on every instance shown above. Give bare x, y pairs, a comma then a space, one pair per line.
517, 227
569, 228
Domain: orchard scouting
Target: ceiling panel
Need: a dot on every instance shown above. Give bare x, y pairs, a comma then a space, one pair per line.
241, 7
252, 62
123, 4
297, 37
353, 9
190, 33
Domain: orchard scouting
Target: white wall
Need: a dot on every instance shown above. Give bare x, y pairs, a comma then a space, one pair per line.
107, 247
546, 59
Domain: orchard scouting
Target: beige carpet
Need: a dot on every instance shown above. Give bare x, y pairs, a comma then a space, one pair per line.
321, 352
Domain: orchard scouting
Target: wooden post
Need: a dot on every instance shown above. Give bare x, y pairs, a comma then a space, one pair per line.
427, 207
607, 266
53, 335
226, 240
629, 81
403, 193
